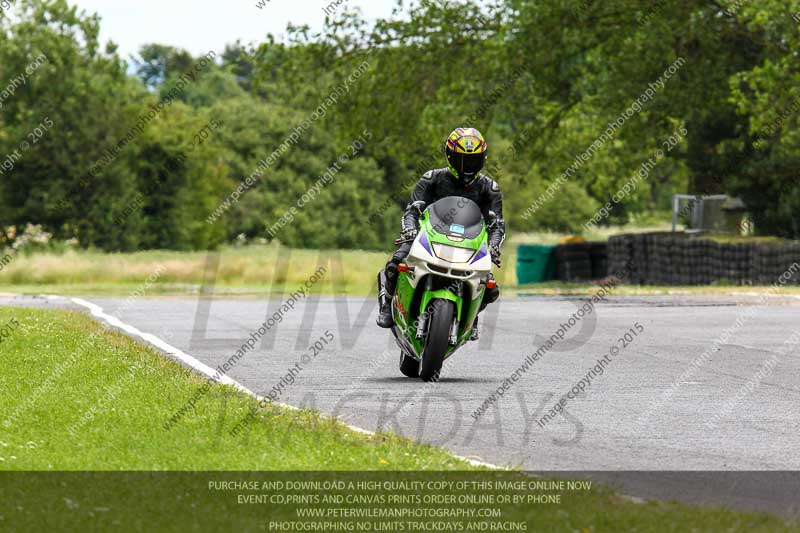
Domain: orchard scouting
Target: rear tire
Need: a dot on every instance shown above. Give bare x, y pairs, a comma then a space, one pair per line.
409, 366
438, 340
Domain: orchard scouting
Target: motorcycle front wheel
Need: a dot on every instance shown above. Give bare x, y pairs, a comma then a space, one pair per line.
438, 339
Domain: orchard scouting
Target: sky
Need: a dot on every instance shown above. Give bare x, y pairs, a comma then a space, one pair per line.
203, 25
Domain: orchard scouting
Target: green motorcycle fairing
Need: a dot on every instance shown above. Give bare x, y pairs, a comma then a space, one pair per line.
407, 317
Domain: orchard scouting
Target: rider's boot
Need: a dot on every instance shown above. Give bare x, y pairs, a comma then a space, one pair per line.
489, 296
387, 281
475, 335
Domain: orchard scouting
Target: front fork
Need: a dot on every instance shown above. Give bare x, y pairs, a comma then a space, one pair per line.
454, 331
424, 318
457, 288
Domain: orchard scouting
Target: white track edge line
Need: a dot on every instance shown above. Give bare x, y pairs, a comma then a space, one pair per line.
199, 366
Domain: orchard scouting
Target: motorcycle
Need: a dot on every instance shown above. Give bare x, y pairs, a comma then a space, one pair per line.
440, 286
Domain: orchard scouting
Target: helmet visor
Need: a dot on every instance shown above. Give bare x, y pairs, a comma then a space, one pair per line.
468, 165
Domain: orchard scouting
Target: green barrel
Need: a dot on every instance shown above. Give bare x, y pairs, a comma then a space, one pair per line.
535, 263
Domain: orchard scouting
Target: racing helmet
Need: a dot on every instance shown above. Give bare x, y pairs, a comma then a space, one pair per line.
466, 154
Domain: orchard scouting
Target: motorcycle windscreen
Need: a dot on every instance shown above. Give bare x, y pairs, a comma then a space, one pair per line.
456, 216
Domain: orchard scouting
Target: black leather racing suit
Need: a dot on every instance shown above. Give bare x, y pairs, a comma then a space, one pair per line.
440, 183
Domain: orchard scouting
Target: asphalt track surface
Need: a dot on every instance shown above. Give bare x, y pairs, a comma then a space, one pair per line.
725, 431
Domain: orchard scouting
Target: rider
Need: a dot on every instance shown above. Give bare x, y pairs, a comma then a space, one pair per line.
466, 153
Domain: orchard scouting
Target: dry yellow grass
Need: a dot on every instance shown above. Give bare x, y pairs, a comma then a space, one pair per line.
257, 267
260, 268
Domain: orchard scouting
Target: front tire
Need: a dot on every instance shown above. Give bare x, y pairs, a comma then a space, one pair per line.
438, 340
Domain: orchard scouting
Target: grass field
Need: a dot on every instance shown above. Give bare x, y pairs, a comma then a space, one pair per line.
265, 269
78, 396
256, 270
253, 269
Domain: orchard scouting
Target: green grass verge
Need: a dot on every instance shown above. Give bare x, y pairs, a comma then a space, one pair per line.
82, 397
86, 398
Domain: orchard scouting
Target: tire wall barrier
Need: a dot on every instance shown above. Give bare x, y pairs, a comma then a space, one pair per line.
566, 262
679, 259
581, 261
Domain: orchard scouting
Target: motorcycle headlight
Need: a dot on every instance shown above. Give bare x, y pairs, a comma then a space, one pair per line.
454, 254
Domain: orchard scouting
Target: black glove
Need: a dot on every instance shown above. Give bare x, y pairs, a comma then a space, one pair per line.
494, 250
